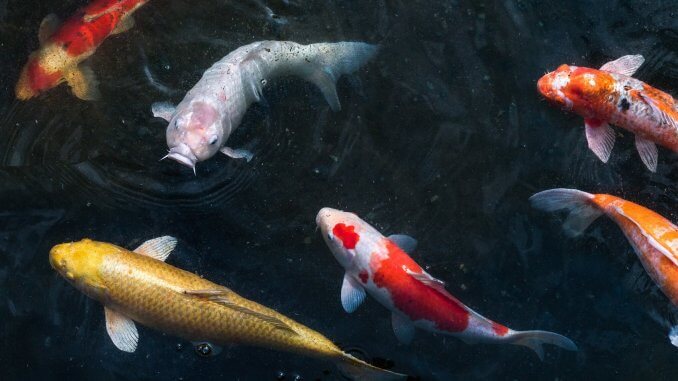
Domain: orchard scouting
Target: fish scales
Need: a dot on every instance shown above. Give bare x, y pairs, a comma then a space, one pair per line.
153, 293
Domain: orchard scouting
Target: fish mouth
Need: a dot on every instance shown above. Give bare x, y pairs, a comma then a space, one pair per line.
183, 155
322, 219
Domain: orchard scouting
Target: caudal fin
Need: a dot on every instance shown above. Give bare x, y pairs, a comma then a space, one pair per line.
535, 339
582, 211
357, 369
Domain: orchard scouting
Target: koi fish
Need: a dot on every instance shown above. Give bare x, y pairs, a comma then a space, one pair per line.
64, 46
611, 96
201, 124
139, 286
380, 266
653, 237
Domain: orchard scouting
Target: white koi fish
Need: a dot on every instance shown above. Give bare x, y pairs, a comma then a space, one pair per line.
380, 266
201, 124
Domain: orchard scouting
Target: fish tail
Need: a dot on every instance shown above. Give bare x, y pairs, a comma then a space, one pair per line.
332, 60
356, 369
535, 339
583, 210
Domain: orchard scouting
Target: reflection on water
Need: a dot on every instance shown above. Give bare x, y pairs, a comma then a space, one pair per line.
443, 137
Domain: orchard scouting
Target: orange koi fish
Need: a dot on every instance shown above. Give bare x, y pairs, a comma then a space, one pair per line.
653, 237
64, 46
611, 96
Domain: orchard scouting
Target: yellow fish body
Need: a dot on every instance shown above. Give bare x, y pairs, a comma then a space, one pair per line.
139, 286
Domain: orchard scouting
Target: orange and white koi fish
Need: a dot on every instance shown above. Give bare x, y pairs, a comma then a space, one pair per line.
611, 96
64, 46
380, 266
653, 237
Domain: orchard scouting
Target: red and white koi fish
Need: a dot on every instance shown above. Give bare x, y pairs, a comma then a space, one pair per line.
380, 266
610, 96
64, 46
653, 237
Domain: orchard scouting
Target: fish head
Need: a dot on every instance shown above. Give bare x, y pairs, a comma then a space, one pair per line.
195, 133
578, 89
341, 232
36, 78
551, 86
80, 263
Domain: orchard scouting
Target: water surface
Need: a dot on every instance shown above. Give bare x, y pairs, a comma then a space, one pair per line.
442, 137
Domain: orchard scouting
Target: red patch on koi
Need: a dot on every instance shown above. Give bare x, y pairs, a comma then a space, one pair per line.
499, 330
349, 238
78, 36
39, 78
364, 276
415, 299
593, 122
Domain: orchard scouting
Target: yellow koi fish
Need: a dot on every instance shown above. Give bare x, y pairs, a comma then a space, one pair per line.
139, 286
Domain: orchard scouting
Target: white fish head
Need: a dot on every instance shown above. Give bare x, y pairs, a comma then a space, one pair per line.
195, 133
342, 233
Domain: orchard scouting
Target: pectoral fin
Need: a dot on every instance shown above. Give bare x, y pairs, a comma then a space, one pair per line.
600, 137
124, 25
326, 82
48, 26
83, 82
352, 294
405, 242
626, 65
402, 327
224, 297
121, 330
673, 335
237, 153
163, 110
158, 248
648, 152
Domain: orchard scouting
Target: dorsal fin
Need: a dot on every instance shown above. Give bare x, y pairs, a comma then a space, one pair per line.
222, 297
405, 242
669, 252
626, 65
158, 248
426, 279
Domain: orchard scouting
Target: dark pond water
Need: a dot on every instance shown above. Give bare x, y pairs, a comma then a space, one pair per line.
443, 136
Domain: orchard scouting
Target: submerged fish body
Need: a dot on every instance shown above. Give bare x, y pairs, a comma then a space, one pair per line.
63, 47
653, 237
610, 95
200, 125
139, 286
380, 266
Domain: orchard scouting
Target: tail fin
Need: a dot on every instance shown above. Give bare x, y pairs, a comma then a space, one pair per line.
357, 369
535, 339
582, 210
334, 60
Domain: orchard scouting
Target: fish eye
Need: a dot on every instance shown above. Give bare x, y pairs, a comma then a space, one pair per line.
213, 141
329, 236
